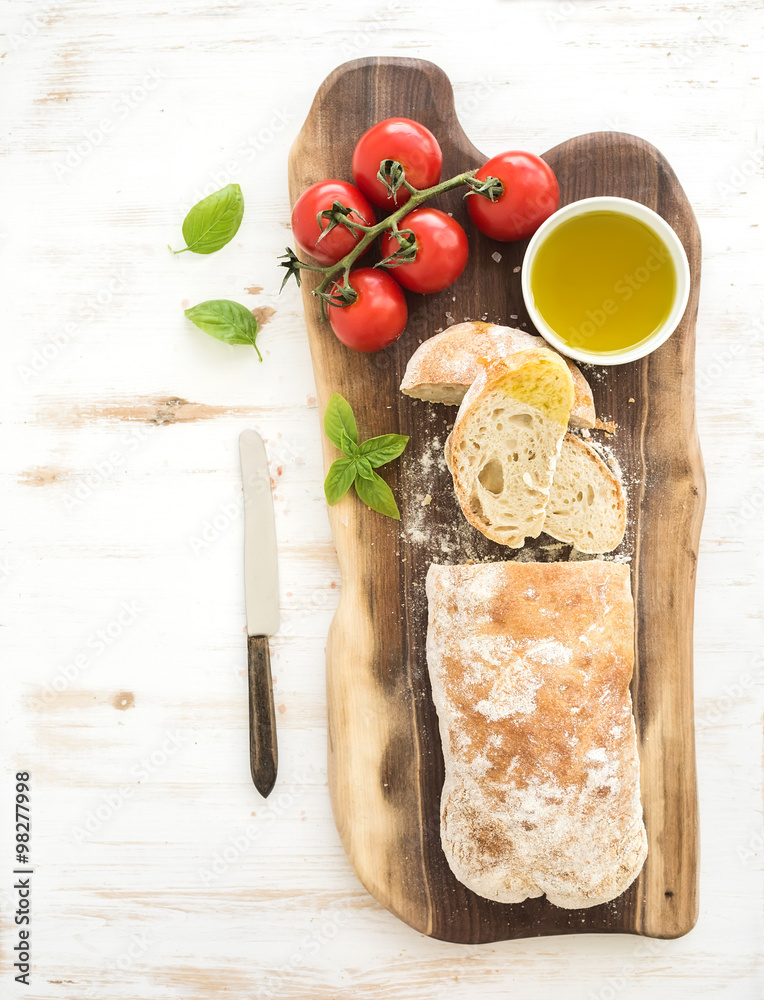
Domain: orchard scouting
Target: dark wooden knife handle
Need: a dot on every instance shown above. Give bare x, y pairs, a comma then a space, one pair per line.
263, 748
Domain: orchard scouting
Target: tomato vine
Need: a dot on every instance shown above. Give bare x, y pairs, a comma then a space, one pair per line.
334, 288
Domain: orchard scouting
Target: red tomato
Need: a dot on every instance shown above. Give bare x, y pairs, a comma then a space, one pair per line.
376, 318
400, 139
441, 255
340, 241
531, 194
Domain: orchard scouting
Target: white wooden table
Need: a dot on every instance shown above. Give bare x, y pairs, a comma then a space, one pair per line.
159, 873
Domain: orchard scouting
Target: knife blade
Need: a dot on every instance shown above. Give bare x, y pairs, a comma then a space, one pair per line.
261, 591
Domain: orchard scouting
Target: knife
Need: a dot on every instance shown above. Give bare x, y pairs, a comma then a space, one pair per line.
261, 590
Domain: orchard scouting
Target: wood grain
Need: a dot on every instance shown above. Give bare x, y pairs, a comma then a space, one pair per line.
75, 544
263, 746
385, 762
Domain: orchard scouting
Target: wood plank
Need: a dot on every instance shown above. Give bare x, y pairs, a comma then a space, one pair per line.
385, 762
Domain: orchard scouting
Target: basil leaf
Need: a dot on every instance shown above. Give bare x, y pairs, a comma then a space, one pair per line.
376, 494
383, 449
363, 466
339, 479
213, 221
338, 418
347, 446
228, 321
360, 460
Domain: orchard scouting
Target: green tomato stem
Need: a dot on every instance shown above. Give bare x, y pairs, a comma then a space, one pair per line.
391, 222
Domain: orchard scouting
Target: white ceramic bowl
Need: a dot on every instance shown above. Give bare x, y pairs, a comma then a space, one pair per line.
664, 232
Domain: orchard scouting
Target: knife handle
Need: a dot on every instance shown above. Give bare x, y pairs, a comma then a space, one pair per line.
263, 749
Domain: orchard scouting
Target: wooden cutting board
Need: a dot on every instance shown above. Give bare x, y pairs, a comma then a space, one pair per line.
385, 761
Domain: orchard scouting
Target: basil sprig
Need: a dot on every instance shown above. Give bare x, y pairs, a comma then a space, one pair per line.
360, 460
225, 320
213, 221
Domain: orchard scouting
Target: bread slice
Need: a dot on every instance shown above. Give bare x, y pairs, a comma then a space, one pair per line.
541, 791
504, 445
587, 506
444, 367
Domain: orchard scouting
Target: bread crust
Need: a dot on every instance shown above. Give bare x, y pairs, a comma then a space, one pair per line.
530, 665
443, 367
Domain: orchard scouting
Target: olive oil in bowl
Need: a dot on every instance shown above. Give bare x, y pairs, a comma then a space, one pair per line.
606, 280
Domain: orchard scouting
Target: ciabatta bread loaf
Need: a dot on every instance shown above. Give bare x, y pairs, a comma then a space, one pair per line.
530, 665
444, 367
504, 445
587, 506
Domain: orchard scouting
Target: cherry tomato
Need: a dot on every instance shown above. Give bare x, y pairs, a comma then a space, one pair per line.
376, 318
441, 255
400, 139
340, 241
531, 194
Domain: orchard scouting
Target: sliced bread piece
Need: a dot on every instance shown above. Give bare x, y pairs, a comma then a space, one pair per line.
587, 506
505, 442
444, 367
